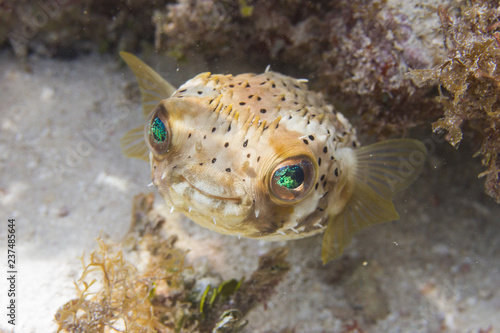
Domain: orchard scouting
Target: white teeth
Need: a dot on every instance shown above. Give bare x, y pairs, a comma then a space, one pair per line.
257, 213
164, 174
150, 184
189, 210
172, 209
268, 68
318, 224
215, 222
281, 233
295, 230
303, 80
239, 236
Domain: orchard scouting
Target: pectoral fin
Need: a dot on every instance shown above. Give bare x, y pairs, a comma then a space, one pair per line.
380, 171
154, 89
133, 145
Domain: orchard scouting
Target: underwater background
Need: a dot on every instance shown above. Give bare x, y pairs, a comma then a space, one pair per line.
427, 70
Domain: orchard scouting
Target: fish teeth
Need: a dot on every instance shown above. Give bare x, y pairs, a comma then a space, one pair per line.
151, 184
294, 230
172, 209
318, 224
281, 232
257, 212
215, 222
164, 174
189, 209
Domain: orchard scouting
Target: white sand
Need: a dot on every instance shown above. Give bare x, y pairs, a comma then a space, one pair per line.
65, 181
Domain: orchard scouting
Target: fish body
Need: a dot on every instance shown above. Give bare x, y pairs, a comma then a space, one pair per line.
261, 156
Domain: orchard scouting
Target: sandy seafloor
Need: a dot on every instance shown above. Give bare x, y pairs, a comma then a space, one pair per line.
65, 181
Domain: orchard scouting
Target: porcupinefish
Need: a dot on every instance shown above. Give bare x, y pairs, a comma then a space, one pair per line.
261, 156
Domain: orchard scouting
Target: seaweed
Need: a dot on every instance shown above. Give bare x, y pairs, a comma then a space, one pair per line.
164, 297
469, 82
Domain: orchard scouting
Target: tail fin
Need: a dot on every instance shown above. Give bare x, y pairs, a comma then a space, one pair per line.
153, 90
381, 170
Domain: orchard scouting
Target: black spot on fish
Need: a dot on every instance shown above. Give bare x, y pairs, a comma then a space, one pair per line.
183, 90
273, 85
200, 92
231, 86
201, 163
242, 103
283, 98
250, 96
354, 144
324, 183
248, 155
322, 177
247, 86
311, 137
258, 159
258, 98
306, 142
213, 129
336, 172
228, 170
319, 161
204, 137
245, 143
316, 186
325, 149
226, 144
189, 135
263, 110
214, 160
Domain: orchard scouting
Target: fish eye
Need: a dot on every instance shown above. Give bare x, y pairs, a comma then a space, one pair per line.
157, 131
292, 179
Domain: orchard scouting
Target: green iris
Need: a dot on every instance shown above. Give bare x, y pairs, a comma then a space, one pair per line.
290, 176
157, 128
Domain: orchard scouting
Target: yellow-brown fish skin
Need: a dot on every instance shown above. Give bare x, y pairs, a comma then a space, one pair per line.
261, 156
218, 166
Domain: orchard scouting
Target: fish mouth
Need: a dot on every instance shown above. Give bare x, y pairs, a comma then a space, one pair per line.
213, 196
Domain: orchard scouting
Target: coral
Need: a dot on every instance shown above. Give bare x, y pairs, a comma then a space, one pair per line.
360, 51
469, 81
67, 28
163, 298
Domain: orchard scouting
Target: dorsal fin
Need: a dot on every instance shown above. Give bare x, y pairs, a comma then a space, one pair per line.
154, 89
380, 171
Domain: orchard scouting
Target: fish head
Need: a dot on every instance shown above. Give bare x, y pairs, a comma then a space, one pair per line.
228, 170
